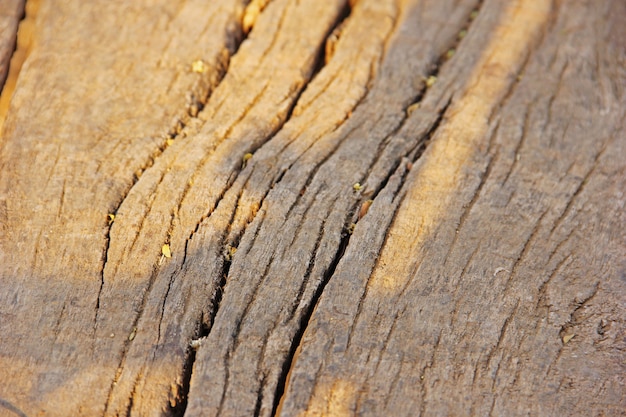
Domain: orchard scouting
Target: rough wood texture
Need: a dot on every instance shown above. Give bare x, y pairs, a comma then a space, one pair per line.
373, 207
10, 13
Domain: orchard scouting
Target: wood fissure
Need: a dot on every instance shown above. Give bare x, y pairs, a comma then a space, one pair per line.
176, 132
306, 317
329, 157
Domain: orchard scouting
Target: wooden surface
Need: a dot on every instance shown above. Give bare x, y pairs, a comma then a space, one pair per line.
11, 11
373, 207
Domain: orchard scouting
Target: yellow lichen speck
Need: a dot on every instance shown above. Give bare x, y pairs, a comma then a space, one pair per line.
229, 252
111, 217
254, 9
199, 66
165, 250
430, 81
357, 187
246, 158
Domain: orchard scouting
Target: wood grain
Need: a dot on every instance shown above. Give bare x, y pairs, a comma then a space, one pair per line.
373, 207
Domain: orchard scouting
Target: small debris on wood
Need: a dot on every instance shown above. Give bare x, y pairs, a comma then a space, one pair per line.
331, 43
603, 326
165, 253
357, 187
412, 108
111, 218
229, 252
199, 66
132, 334
246, 158
566, 338
252, 12
501, 269
194, 109
430, 81
364, 208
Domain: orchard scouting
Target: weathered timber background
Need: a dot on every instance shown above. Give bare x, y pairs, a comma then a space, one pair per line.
373, 207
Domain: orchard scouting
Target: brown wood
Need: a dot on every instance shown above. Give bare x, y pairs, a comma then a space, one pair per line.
285, 207
10, 13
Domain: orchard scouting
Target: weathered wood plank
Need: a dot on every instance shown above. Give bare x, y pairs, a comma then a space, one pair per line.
184, 201
491, 162
240, 365
499, 289
73, 141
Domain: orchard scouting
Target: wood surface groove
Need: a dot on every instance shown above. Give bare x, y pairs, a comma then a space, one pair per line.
236, 122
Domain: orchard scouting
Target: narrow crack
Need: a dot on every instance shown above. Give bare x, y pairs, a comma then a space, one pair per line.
484, 175
422, 142
306, 317
197, 101
259, 398
324, 54
311, 265
412, 154
182, 395
167, 291
204, 331
128, 341
105, 253
236, 333
203, 328
131, 398
319, 65
12, 408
